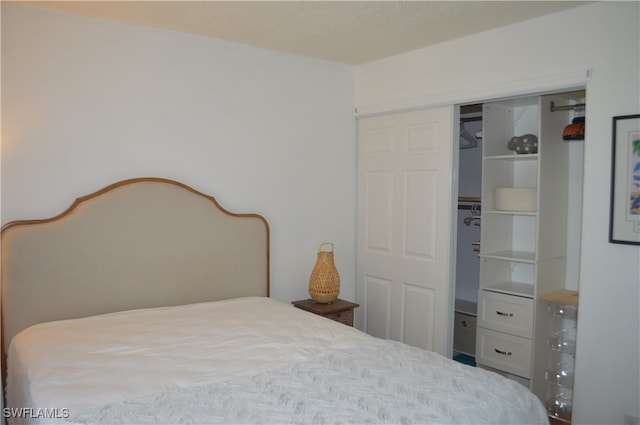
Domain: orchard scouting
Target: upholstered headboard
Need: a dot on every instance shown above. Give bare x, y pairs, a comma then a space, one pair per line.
139, 243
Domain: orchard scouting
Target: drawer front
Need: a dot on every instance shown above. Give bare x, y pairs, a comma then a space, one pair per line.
506, 313
345, 317
504, 352
464, 334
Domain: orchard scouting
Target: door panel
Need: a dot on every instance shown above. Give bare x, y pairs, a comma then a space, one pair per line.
418, 308
404, 226
421, 216
380, 210
378, 293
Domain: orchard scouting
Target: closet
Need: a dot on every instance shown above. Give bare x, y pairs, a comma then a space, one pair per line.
510, 247
530, 202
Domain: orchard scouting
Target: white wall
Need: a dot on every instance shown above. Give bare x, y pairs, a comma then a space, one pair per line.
605, 38
88, 102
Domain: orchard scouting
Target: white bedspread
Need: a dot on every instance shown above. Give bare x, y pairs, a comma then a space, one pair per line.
250, 360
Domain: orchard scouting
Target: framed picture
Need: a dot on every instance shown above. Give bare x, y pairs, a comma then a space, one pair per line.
624, 225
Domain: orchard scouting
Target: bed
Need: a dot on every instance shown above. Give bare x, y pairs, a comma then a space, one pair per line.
148, 303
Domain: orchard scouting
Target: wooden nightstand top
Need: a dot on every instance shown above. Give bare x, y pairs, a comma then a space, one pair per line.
323, 309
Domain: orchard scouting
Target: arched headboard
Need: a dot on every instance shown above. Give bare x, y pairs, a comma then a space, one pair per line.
145, 242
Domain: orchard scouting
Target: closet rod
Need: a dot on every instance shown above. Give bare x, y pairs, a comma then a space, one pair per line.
474, 200
555, 108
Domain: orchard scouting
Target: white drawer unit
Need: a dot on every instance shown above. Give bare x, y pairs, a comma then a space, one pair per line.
505, 313
504, 352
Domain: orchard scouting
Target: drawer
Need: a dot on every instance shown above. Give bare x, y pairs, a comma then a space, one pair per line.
505, 313
505, 352
345, 317
464, 334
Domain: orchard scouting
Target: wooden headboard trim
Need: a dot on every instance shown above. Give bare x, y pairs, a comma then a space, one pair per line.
84, 200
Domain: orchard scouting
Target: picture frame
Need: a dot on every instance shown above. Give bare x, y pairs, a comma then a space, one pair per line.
624, 222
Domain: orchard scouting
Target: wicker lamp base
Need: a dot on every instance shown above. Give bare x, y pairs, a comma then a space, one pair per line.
324, 283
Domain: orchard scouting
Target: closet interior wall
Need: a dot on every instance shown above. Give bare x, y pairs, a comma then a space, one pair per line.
469, 188
468, 228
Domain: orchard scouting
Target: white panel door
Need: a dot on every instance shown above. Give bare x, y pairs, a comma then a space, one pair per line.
404, 227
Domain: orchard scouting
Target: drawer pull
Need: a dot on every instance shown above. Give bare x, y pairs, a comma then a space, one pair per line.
504, 353
502, 313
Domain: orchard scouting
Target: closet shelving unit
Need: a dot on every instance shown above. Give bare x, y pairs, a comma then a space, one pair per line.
523, 253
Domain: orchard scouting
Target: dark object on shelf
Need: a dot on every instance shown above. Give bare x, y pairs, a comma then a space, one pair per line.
575, 130
524, 144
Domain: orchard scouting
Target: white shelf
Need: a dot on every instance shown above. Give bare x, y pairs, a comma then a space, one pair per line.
466, 307
513, 157
524, 213
512, 288
519, 256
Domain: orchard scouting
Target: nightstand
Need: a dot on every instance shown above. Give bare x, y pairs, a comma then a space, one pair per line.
339, 310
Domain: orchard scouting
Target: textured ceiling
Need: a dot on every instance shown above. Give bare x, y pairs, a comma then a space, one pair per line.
351, 32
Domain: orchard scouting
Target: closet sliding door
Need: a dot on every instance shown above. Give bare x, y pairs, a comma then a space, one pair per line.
404, 227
